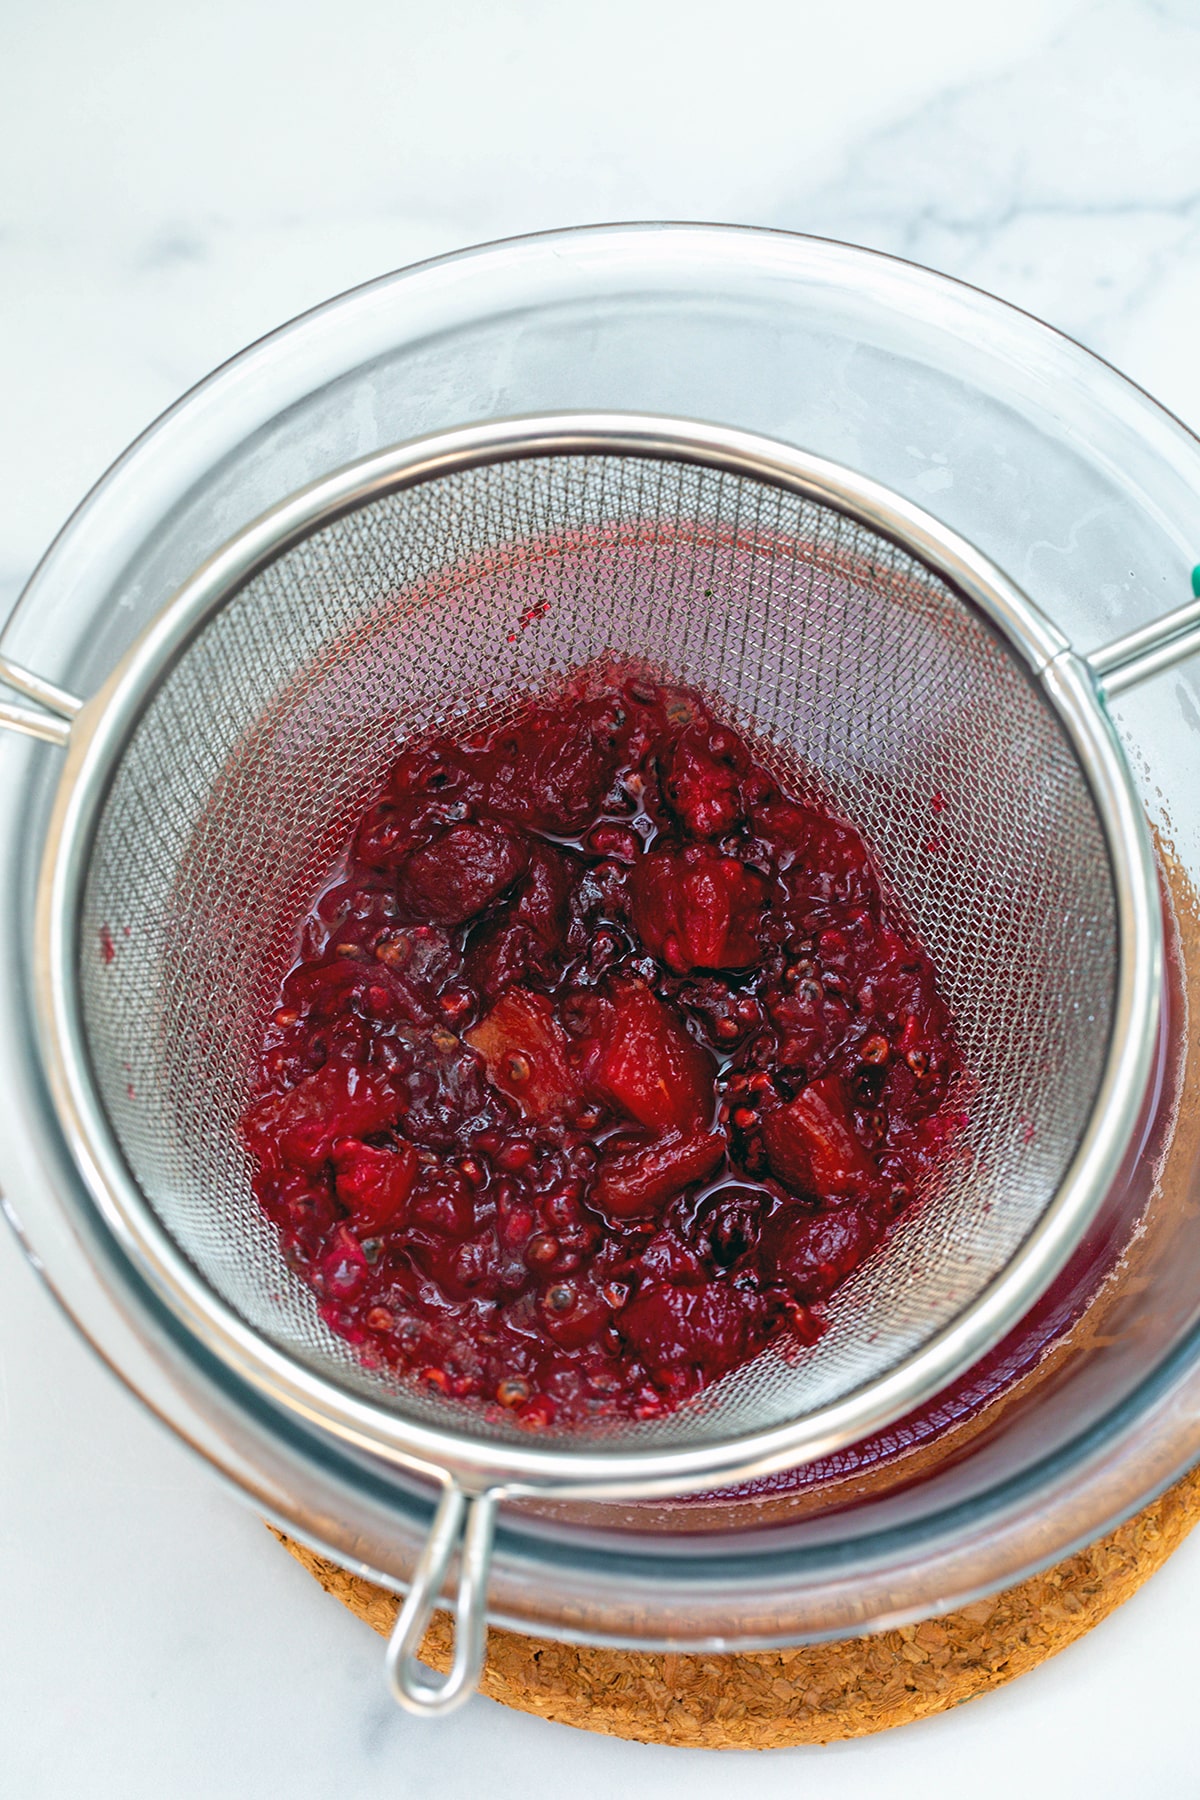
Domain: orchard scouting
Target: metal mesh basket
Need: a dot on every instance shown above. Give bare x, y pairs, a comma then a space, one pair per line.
864, 674
875, 659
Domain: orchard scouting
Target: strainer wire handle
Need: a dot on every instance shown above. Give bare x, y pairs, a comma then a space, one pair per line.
1150, 649
471, 1519
50, 719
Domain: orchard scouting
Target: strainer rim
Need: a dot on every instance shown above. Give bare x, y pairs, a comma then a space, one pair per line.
98, 739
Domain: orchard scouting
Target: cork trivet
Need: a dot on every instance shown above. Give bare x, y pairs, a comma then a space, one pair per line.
771, 1699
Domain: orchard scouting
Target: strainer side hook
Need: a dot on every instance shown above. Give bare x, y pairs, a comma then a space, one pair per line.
1130, 660
50, 718
470, 1519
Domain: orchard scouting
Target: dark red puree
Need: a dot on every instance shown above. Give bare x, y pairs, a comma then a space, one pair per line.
604, 1061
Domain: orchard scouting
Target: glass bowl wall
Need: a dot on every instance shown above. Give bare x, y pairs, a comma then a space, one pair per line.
1077, 484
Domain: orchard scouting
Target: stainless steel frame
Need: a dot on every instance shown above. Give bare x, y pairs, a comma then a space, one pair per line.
476, 1472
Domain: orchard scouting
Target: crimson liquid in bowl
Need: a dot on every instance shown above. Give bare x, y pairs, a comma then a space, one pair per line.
603, 1062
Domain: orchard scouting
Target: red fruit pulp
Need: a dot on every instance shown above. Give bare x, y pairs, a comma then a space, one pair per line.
603, 1062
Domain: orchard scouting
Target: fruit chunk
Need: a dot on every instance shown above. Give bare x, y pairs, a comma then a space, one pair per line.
811, 1146
701, 780
527, 940
525, 1051
831, 868
642, 1060
634, 1182
442, 1203
573, 1313
366, 986
443, 1090
698, 909
374, 1182
812, 1252
463, 870
551, 770
343, 1269
709, 1324
300, 1127
542, 903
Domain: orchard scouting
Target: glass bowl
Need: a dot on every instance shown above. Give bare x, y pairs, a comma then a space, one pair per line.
1082, 489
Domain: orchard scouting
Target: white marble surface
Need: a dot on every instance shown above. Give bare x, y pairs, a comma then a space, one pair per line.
176, 180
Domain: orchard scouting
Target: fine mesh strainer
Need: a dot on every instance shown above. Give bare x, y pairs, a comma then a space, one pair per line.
875, 657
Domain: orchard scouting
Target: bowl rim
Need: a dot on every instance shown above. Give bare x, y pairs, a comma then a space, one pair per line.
1130, 1451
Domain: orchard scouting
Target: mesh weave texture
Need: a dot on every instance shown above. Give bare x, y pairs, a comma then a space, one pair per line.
870, 683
